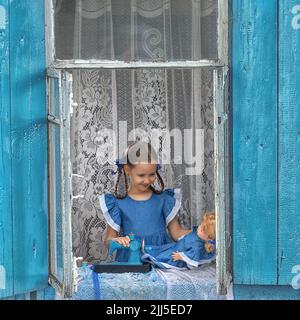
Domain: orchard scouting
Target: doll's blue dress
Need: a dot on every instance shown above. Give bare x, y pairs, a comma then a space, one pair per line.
146, 219
191, 248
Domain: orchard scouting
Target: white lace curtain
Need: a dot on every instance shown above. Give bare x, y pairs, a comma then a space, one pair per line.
144, 98
136, 29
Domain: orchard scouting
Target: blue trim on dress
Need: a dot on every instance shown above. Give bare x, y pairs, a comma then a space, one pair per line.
178, 196
193, 263
106, 214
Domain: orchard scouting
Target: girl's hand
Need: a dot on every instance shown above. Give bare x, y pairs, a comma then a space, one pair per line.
176, 256
124, 241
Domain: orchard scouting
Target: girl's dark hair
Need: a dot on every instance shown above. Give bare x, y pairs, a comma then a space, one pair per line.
137, 152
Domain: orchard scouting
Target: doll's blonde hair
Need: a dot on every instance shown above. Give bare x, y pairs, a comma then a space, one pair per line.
209, 228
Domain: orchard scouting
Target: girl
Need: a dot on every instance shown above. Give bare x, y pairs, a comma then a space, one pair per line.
192, 250
143, 210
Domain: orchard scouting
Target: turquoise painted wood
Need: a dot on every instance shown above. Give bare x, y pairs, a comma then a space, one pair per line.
254, 101
244, 292
29, 145
6, 282
289, 139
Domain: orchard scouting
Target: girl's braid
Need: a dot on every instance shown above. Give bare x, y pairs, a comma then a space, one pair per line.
117, 184
161, 182
126, 184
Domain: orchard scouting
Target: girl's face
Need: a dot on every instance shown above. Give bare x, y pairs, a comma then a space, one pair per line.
142, 175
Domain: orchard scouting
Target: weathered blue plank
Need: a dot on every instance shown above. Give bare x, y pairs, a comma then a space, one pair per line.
254, 96
29, 145
6, 283
244, 292
289, 139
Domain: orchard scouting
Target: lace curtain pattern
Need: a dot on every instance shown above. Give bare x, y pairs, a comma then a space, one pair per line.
160, 30
144, 98
95, 114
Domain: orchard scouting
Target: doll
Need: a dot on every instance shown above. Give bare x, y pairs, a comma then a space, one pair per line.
190, 251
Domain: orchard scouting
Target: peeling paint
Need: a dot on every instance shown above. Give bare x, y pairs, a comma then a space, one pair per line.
34, 249
2, 17
115, 64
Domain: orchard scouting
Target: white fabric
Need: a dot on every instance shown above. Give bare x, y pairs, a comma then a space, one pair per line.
196, 284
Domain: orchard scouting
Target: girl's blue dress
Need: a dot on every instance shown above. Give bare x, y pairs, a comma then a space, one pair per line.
191, 248
146, 219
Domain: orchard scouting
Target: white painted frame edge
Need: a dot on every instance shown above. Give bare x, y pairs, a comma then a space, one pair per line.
222, 43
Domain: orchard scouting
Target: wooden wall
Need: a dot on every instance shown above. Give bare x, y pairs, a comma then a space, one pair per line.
6, 261
289, 140
266, 141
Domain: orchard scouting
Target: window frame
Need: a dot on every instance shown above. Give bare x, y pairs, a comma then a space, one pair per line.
65, 286
221, 121
53, 62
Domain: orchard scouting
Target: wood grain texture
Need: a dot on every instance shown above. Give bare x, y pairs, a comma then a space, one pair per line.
222, 205
289, 141
6, 282
254, 101
29, 145
244, 292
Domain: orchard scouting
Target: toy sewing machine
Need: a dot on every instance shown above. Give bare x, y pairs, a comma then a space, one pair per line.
134, 263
